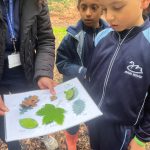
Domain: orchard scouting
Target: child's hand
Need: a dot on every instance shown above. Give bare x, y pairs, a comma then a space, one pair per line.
47, 83
3, 108
134, 146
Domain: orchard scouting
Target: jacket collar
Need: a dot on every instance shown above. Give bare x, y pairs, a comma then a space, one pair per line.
135, 29
75, 30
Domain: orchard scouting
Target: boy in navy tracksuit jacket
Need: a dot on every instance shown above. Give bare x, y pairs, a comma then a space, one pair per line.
119, 77
75, 51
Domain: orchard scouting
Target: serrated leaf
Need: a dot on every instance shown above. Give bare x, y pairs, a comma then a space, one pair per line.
59, 119
47, 119
69, 94
59, 116
78, 106
45, 110
28, 123
60, 110
51, 113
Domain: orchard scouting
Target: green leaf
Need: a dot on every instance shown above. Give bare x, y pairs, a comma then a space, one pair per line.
47, 119
28, 123
59, 116
45, 110
59, 119
60, 110
70, 94
51, 113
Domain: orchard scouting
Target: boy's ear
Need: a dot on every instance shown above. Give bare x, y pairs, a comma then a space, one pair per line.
145, 4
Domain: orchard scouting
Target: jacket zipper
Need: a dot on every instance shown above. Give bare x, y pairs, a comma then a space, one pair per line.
77, 52
141, 109
110, 67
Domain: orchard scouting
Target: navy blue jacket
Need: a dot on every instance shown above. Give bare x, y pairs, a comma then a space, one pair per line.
119, 77
69, 54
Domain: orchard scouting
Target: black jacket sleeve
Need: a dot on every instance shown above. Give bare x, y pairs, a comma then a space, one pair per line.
45, 56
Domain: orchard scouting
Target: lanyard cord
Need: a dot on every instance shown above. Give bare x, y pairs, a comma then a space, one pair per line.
10, 20
11, 11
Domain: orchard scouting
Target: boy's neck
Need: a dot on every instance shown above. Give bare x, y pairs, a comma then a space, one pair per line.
98, 25
137, 27
140, 22
94, 27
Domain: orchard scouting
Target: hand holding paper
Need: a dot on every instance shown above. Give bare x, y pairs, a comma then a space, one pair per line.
38, 113
47, 83
3, 108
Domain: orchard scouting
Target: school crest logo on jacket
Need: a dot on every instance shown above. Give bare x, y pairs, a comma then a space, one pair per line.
134, 70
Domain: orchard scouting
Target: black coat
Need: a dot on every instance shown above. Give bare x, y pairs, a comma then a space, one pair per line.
37, 41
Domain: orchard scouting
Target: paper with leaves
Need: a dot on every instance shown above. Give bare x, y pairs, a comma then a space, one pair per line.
38, 113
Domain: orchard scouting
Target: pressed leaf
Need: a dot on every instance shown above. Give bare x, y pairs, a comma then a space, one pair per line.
60, 110
78, 106
28, 123
45, 110
59, 119
51, 113
70, 94
47, 119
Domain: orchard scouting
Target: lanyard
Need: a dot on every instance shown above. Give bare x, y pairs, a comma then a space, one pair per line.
11, 12
10, 20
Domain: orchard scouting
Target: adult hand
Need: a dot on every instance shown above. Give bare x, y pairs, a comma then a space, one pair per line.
47, 83
134, 146
3, 108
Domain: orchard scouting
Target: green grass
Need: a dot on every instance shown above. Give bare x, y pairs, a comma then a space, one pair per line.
62, 1
61, 5
59, 33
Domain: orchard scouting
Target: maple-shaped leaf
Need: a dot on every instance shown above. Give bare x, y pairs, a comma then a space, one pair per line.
51, 113
61, 110
59, 116
45, 110
47, 119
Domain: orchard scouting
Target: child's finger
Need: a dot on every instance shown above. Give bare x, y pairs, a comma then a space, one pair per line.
2, 106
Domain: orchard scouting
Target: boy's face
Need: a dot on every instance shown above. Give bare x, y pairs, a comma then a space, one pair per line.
90, 12
123, 14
